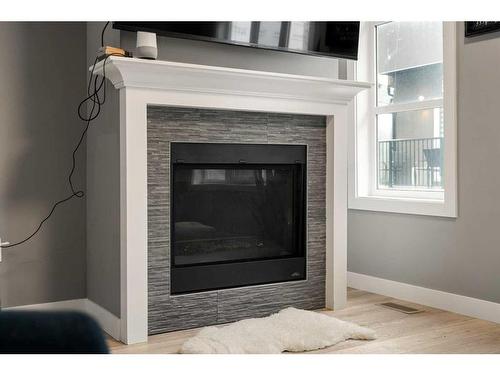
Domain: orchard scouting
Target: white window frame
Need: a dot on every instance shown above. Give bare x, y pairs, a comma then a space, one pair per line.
363, 194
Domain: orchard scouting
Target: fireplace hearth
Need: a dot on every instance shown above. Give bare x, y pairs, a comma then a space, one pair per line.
238, 214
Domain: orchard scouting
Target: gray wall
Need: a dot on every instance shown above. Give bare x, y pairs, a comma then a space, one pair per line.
454, 255
198, 52
41, 86
103, 189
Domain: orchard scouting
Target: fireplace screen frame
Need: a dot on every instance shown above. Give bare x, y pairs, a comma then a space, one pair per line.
194, 278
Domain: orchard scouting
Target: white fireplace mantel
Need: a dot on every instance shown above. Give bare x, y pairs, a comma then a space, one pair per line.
144, 82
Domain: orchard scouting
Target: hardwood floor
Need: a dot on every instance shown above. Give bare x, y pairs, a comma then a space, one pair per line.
432, 331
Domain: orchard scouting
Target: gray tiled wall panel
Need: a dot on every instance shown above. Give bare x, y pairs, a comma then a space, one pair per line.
176, 124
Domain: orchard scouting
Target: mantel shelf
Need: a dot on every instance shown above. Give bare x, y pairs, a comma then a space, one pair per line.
175, 76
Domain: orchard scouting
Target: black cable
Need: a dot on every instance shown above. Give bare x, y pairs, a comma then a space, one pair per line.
102, 33
94, 87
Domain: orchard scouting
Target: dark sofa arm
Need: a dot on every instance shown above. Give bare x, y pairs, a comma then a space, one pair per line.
36, 332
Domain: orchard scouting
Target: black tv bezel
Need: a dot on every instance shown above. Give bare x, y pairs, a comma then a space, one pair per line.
473, 30
126, 26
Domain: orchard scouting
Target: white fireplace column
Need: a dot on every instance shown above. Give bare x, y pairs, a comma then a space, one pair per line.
144, 82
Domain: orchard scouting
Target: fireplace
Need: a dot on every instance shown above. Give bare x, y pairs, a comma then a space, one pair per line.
163, 102
237, 214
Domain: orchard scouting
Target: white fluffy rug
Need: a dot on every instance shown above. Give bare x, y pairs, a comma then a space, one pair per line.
290, 330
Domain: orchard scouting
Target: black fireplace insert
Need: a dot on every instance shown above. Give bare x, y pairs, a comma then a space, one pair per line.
237, 214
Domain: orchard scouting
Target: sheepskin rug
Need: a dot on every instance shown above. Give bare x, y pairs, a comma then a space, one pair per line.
291, 330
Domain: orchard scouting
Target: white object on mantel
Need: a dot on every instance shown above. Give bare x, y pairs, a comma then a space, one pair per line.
290, 330
145, 82
146, 47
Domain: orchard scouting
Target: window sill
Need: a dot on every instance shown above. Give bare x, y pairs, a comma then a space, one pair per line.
411, 206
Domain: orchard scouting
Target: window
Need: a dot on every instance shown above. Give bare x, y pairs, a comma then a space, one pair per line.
403, 154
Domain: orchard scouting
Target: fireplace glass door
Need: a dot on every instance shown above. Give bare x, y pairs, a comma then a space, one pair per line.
237, 215
227, 213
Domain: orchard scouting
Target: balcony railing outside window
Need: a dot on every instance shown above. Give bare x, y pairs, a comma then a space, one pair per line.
411, 163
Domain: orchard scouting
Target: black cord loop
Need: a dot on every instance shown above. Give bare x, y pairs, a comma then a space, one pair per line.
95, 85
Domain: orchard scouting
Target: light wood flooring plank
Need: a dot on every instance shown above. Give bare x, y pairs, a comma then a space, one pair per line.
432, 331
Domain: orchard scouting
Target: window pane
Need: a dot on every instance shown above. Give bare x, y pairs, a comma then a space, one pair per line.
240, 31
409, 62
269, 33
299, 35
410, 150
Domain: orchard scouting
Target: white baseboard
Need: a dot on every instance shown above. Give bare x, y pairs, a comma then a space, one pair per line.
456, 303
70, 304
108, 322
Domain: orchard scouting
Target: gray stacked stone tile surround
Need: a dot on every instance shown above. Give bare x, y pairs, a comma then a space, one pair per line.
176, 124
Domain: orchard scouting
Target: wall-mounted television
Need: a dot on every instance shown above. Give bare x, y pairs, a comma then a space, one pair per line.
332, 39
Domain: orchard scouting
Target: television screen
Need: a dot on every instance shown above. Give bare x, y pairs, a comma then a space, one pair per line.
333, 39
